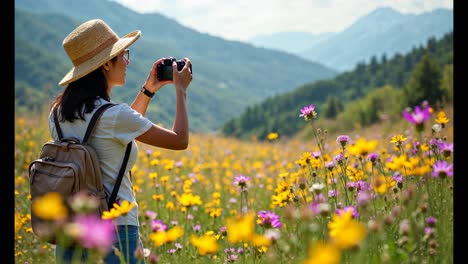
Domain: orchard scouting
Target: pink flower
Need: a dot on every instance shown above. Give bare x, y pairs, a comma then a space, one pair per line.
95, 232
441, 169
269, 219
241, 181
308, 112
418, 117
158, 225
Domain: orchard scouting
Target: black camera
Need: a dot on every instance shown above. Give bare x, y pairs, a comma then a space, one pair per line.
164, 69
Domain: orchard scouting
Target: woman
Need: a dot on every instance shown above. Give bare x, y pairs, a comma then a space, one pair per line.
100, 58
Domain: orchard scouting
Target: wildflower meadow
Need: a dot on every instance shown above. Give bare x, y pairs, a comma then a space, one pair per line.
352, 197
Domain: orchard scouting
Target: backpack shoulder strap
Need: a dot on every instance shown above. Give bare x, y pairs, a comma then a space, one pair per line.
113, 196
93, 121
91, 125
57, 124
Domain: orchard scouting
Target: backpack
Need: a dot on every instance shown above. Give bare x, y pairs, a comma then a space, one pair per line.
68, 166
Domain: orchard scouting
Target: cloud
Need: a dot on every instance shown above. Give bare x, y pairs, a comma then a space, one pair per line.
243, 19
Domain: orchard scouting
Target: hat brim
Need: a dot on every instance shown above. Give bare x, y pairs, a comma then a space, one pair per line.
102, 57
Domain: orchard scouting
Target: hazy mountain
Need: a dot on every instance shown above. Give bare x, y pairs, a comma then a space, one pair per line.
292, 42
228, 75
383, 31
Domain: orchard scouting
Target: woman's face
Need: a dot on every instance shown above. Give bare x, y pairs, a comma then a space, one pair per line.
115, 69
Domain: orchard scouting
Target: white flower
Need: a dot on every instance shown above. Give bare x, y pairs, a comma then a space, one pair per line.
272, 234
317, 187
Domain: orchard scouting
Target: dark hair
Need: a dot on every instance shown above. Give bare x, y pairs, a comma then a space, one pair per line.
79, 96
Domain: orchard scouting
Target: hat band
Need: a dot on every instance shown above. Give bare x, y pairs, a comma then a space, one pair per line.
98, 49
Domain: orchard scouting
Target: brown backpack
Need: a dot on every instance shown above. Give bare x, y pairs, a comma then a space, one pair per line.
68, 166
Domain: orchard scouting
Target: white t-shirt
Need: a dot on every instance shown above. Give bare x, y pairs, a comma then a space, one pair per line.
117, 126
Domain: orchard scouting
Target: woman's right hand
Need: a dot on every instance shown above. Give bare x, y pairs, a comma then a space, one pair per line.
183, 77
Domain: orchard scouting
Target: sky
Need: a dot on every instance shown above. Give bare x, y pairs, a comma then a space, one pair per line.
243, 19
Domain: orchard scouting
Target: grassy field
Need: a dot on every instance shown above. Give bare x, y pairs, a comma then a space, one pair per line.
379, 195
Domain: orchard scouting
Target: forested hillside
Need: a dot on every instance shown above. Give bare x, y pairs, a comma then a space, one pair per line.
228, 75
399, 74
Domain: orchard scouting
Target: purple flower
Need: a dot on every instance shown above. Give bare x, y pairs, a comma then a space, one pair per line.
308, 112
241, 181
229, 250
269, 219
196, 228
330, 165
429, 231
223, 230
348, 209
418, 117
342, 140
431, 221
158, 225
333, 193
445, 148
316, 154
397, 177
363, 198
442, 169
373, 157
95, 233
362, 185
150, 214
339, 158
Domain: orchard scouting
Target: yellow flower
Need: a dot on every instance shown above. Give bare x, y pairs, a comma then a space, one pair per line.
398, 139
272, 136
240, 228
50, 207
215, 212
262, 249
205, 244
158, 197
188, 200
153, 175
381, 184
170, 206
322, 253
346, 232
174, 233
260, 240
159, 238
362, 147
154, 162
18, 223
442, 118
125, 207
111, 214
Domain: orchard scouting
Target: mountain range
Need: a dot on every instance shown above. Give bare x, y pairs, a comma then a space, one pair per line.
229, 76
384, 31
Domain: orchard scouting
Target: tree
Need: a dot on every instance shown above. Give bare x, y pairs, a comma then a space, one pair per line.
447, 81
424, 83
332, 107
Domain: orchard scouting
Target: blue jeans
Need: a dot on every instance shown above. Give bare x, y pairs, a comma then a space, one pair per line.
67, 255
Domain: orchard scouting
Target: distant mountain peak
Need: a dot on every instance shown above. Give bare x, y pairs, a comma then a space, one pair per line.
384, 11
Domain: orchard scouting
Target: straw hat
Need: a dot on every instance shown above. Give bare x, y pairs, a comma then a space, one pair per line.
92, 44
